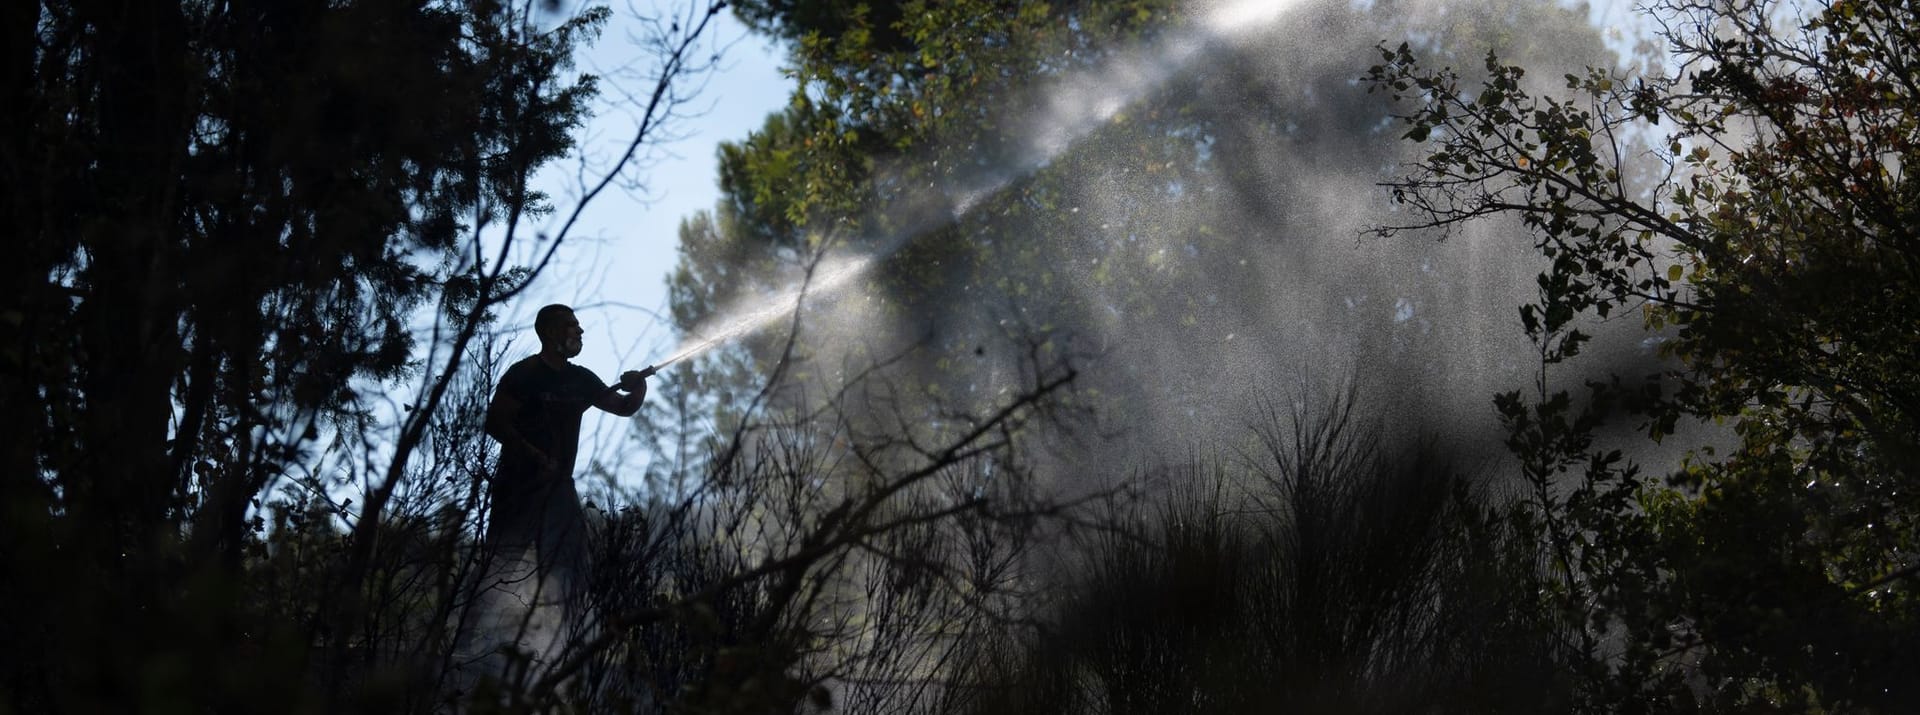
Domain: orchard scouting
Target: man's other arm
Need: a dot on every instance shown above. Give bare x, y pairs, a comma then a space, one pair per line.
501, 428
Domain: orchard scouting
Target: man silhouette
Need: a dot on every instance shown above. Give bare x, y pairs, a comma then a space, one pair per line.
536, 532
535, 416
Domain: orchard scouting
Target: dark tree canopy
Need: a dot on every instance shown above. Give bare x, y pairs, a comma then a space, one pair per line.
227, 219
1767, 240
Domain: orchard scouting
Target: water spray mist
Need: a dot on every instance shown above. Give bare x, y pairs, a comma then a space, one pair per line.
1083, 102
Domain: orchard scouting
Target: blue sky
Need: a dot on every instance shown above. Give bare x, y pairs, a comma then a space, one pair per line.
615, 266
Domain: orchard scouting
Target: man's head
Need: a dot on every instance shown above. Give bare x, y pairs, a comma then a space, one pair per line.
558, 329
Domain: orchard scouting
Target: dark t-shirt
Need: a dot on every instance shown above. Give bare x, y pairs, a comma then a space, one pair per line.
531, 505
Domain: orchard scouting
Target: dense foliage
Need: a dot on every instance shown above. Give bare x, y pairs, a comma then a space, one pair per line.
230, 222
1767, 240
1324, 572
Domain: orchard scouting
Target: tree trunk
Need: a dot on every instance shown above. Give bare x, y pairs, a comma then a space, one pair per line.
129, 323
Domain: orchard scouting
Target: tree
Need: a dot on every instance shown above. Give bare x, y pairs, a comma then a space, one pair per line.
232, 222
1195, 241
1767, 240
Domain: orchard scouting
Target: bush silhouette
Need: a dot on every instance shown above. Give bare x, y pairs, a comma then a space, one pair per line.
1320, 571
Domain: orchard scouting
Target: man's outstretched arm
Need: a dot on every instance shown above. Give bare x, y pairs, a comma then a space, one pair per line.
626, 404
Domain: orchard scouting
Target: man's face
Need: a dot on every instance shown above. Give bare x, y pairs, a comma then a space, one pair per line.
565, 335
